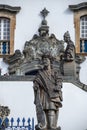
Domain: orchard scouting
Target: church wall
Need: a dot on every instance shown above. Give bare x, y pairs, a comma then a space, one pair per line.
19, 95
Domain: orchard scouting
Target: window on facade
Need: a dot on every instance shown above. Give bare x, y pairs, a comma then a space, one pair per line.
7, 29
83, 34
80, 21
4, 36
83, 27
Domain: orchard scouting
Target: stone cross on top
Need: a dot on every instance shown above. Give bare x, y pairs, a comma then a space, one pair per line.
44, 13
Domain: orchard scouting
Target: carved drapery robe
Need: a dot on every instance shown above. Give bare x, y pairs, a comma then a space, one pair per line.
70, 51
50, 93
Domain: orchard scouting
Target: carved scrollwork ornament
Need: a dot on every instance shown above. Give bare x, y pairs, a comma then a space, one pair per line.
29, 61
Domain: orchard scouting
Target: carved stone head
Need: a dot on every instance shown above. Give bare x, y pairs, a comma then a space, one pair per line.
66, 37
46, 61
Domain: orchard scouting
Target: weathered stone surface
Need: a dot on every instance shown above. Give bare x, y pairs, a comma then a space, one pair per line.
77, 7
48, 95
4, 112
9, 8
26, 64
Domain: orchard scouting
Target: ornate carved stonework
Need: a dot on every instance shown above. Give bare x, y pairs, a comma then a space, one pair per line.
38, 46
4, 112
25, 65
43, 43
45, 62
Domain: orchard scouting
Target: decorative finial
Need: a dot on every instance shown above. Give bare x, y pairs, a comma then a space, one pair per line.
44, 13
44, 27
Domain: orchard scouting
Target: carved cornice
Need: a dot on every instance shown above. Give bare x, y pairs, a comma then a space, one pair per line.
69, 79
78, 6
17, 78
13, 58
9, 8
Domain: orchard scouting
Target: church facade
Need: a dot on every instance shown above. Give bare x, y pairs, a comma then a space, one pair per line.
20, 28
